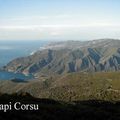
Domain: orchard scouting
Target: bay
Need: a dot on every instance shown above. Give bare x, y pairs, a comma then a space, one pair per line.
10, 50
11, 76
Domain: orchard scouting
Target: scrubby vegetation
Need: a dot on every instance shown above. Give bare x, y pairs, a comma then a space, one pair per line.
72, 96
70, 87
57, 110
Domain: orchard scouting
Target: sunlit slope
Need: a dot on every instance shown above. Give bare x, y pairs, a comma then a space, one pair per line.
70, 86
71, 56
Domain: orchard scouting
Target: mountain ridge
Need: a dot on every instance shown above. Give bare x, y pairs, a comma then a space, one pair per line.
70, 56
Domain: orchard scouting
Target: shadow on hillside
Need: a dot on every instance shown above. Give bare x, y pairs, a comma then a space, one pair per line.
19, 80
55, 110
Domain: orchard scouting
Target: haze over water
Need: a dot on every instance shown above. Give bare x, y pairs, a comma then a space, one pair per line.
10, 50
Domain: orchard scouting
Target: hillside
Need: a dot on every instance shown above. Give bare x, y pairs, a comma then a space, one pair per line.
73, 80
70, 56
57, 110
69, 87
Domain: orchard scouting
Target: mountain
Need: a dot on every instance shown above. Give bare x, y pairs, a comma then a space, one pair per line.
70, 56
73, 80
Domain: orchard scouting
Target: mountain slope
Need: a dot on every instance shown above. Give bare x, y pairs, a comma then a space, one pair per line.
57, 110
70, 56
69, 87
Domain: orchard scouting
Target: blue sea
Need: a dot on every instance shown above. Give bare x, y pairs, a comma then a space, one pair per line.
10, 50
11, 76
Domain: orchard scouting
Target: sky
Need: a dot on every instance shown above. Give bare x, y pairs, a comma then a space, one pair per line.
59, 19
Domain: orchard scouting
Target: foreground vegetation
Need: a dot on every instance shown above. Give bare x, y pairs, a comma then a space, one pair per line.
57, 110
72, 96
69, 87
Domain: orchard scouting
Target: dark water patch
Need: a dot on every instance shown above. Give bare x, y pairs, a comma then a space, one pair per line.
19, 80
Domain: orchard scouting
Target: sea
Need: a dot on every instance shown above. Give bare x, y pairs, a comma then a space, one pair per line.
12, 49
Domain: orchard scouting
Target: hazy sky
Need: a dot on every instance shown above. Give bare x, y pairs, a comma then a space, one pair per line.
59, 19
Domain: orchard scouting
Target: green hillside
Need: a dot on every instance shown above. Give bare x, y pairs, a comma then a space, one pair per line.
69, 87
